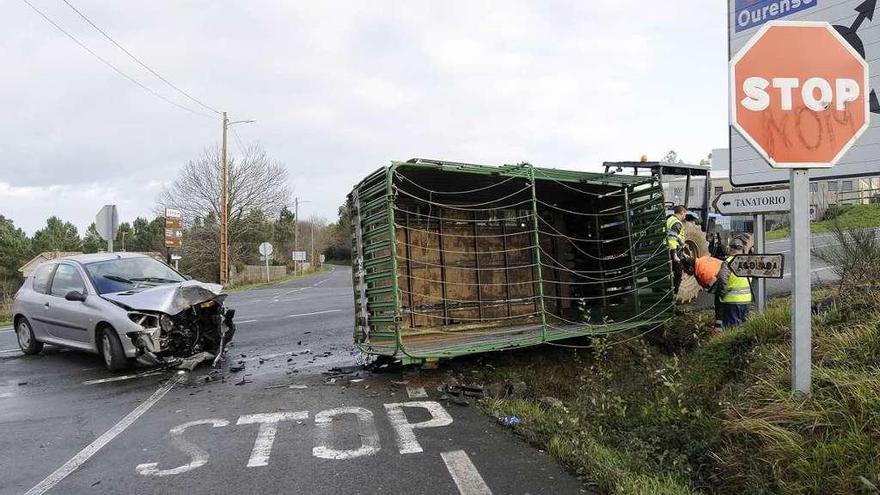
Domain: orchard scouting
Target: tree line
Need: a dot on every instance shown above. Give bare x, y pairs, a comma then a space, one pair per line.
259, 211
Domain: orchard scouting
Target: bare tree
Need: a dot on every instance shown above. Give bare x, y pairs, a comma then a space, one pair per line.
258, 189
256, 183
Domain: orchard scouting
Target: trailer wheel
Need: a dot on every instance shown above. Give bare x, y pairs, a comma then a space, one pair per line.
695, 245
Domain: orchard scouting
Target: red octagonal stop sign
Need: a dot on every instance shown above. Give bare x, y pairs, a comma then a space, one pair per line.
799, 94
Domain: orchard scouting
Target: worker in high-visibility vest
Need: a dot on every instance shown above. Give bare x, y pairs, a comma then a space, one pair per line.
711, 274
737, 297
675, 241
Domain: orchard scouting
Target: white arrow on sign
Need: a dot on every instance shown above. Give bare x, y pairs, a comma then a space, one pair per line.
753, 202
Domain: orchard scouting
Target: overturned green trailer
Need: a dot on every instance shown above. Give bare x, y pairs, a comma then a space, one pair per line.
452, 259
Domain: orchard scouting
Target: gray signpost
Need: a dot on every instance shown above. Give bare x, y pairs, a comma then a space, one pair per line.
756, 202
266, 251
775, 86
107, 225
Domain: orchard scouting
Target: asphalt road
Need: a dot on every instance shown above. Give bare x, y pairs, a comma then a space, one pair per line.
820, 272
279, 426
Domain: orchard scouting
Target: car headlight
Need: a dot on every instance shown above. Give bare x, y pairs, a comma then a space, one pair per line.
144, 319
166, 323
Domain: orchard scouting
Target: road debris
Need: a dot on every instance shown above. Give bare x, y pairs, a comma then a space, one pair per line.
509, 421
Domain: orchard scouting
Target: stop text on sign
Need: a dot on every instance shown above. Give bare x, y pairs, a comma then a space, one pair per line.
799, 94
816, 93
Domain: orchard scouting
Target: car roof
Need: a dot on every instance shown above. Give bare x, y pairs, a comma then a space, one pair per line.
84, 259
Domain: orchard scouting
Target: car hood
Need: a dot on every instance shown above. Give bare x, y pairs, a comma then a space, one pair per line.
170, 299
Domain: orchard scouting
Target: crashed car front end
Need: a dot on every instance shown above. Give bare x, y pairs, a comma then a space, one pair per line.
180, 325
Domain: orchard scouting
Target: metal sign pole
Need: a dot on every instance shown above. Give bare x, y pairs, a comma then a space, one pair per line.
801, 333
267, 267
760, 247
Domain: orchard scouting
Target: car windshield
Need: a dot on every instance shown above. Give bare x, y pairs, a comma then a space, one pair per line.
129, 273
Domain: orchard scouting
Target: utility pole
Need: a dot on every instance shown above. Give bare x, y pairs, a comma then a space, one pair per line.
295, 227
224, 202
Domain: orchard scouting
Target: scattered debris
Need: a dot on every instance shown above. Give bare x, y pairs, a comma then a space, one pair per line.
236, 367
243, 381
22, 383
191, 362
510, 420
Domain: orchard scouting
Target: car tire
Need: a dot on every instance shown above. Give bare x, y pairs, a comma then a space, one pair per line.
111, 350
27, 341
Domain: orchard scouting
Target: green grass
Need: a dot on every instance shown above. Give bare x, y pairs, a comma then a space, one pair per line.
678, 412
855, 217
244, 287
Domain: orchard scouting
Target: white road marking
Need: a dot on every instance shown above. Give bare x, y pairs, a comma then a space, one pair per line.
366, 431
464, 473
320, 282
91, 449
266, 434
10, 350
314, 313
6, 329
406, 437
198, 455
121, 378
6, 395
416, 392
245, 321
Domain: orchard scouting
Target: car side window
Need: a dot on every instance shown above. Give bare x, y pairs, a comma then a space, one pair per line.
41, 278
67, 279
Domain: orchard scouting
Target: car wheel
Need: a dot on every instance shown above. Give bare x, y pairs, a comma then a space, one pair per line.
26, 339
111, 350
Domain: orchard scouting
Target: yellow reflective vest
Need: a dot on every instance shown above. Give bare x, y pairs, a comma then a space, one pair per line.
738, 290
674, 236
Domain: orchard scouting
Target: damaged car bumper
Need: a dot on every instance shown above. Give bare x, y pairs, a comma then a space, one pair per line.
182, 325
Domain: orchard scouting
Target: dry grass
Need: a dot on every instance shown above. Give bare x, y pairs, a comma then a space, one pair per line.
712, 416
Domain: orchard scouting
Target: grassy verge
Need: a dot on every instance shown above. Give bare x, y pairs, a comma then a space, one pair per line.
855, 217
243, 287
5, 313
679, 413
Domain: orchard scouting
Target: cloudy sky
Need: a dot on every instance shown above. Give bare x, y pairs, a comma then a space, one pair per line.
339, 89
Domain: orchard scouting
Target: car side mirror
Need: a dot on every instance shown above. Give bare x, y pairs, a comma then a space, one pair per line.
75, 295
188, 277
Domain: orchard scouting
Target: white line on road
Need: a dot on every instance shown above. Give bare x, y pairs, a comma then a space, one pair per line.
464, 473
120, 378
245, 321
6, 329
416, 392
6, 395
314, 313
10, 350
319, 283
85, 454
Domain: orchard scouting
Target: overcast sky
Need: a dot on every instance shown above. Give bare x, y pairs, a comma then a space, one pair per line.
339, 89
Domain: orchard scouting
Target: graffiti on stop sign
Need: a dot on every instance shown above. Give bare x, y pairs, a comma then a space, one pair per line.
758, 265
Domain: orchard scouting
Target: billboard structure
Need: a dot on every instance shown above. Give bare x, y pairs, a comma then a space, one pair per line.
854, 21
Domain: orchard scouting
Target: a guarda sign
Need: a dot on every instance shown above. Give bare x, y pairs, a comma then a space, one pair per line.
753, 202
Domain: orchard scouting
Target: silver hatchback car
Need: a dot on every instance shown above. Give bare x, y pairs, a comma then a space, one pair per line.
125, 307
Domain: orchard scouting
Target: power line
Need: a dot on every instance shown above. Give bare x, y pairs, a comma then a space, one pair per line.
109, 64
142, 64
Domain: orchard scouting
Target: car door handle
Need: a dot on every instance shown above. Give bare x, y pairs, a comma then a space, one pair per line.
46, 305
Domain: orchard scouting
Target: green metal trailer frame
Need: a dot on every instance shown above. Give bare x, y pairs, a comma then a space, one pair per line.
376, 271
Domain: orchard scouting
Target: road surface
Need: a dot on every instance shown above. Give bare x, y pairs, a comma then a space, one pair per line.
69, 426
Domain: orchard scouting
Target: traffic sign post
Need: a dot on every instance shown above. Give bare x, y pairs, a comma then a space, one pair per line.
799, 96
107, 225
266, 250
